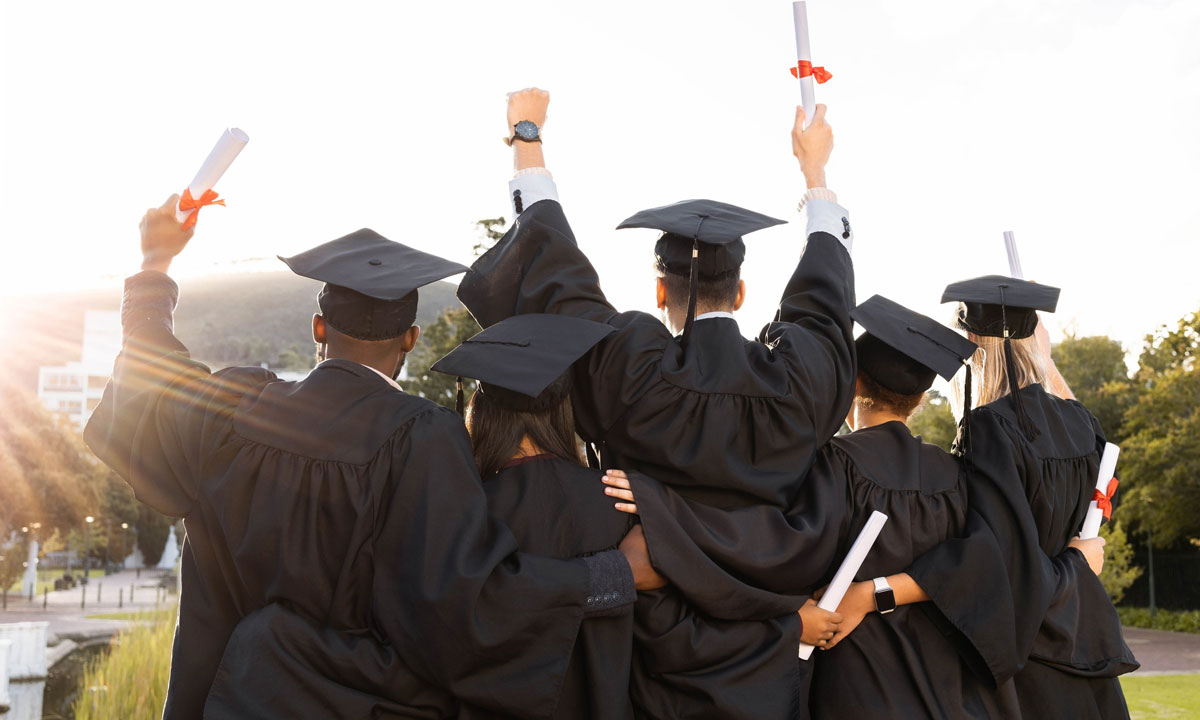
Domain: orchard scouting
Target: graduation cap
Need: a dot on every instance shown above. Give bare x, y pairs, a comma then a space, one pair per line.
522, 362
371, 282
999, 306
903, 350
701, 239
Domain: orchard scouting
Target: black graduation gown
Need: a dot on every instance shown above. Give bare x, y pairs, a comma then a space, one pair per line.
559, 509
906, 664
725, 421
347, 503
1049, 624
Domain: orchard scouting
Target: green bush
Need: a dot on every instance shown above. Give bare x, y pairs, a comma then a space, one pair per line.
130, 682
1187, 621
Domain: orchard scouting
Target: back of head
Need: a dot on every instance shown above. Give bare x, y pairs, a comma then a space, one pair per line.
991, 372
498, 426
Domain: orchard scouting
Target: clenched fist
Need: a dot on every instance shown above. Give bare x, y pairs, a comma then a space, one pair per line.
528, 104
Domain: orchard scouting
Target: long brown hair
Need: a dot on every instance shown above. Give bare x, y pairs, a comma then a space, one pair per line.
497, 432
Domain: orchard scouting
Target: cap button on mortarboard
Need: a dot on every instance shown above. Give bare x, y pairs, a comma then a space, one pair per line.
374, 261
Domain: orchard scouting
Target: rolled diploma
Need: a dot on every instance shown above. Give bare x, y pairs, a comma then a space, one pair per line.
1108, 468
223, 153
808, 97
848, 569
1014, 260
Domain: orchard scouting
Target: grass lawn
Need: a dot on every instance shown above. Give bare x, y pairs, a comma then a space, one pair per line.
46, 579
1162, 696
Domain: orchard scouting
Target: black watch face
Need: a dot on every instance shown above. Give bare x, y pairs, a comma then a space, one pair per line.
885, 600
526, 130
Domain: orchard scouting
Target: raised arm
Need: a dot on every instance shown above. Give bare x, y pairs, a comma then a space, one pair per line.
160, 405
813, 332
537, 266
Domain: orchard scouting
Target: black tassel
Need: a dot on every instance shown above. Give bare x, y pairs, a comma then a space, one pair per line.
962, 444
1027, 427
458, 398
693, 280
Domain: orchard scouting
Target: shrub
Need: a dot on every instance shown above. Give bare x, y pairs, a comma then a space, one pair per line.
1171, 620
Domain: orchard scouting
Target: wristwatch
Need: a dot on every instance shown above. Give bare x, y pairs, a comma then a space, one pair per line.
885, 599
525, 131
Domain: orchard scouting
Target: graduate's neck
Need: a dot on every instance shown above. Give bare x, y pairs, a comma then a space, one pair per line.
862, 417
527, 448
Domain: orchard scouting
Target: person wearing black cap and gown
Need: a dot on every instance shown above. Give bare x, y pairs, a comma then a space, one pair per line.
337, 502
728, 421
538, 485
1032, 460
901, 661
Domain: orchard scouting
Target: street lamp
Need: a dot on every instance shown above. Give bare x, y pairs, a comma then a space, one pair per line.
87, 547
124, 531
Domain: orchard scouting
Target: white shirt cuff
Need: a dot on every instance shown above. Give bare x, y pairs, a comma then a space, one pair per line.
825, 215
530, 186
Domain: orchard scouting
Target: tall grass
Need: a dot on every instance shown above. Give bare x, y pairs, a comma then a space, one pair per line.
131, 681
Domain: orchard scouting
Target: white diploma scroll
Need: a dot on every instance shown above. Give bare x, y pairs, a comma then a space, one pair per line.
1108, 469
222, 156
1014, 260
848, 569
808, 96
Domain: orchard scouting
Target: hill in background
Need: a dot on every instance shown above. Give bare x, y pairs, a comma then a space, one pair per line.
235, 319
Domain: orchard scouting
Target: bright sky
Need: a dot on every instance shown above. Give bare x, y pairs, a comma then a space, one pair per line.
1071, 122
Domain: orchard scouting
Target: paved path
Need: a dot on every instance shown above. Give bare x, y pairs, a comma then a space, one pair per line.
68, 620
1164, 652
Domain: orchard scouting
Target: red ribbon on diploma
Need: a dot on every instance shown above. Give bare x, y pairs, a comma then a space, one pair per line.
187, 202
1104, 500
805, 68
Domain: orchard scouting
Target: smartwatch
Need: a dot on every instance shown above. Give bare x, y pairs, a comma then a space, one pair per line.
885, 599
525, 131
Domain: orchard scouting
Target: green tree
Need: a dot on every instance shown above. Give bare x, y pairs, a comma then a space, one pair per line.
454, 326
1160, 459
1119, 571
1170, 349
1095, 369
934, 421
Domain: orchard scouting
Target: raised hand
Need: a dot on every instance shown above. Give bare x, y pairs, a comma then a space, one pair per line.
528, 104
812, 147
163, 237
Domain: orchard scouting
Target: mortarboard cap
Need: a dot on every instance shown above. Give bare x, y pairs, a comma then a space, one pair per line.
992, 302
999, 306
902, 350
701, 238
522, 362
370, 282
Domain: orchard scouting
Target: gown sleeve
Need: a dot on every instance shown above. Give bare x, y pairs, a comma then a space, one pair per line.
752, 563
506, 621
162, 410
814, 333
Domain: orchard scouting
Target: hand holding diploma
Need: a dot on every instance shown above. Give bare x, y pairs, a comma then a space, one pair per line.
848, 569
200, 192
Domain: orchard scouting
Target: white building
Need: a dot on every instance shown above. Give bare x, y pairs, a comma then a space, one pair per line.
74, 390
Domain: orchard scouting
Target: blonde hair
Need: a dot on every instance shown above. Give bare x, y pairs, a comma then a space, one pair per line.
991, 376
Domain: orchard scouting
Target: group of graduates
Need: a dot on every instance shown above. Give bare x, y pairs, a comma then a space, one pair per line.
633, 515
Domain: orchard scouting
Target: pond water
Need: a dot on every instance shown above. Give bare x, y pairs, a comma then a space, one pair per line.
58, 691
